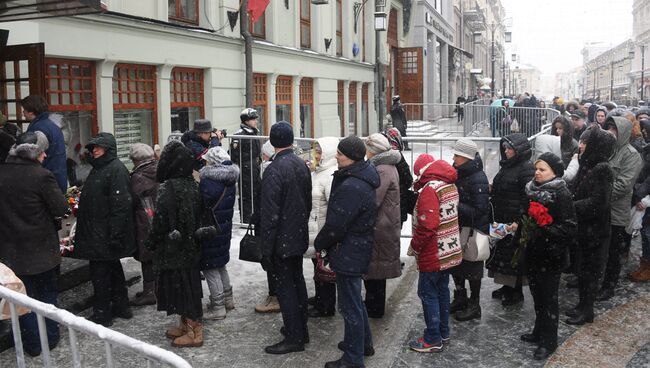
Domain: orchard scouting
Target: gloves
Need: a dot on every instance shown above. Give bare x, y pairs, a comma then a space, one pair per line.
267, 264
206, 233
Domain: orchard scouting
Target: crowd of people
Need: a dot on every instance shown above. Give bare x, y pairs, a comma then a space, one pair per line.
570, 203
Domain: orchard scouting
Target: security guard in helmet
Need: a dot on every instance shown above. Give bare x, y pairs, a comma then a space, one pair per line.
246, 154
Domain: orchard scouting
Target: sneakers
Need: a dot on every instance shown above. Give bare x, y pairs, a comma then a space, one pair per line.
270, 305
422, 346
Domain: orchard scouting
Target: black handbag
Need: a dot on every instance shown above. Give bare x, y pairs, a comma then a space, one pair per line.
250, 247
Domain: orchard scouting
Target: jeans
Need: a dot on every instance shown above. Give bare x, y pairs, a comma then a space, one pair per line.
292, 295
218, 281
616, 246
433, 290
357, 329
543, 287
42, 287
645, 242
109, 286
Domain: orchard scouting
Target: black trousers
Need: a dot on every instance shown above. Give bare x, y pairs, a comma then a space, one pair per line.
543, 287
591, 269
148, 274
616, 246
271, 283
325, 295
292, 295
109, 287
375, 297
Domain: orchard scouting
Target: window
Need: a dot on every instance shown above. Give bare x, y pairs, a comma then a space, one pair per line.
70, 92
341, 105
186, 97
339, 28
352, 121
305, 24
409, 62
134, 105
260, 95
258, 29
365, 124
283, 94
184, 11
307, 108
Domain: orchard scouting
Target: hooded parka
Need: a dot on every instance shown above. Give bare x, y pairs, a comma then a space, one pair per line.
105, 224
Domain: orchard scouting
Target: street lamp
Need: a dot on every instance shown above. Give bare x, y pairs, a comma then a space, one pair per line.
642, 47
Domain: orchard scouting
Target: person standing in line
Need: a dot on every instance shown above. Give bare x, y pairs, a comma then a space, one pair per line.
285, 207
31, 199
246, 154
270, 303
35, 109
626, 164
569, 146
435, 246
547, 253
347, 239
385, 262
407, 197
217, 187
473, 215
641, 190
200, 139
176, 246
106, 229
144, 189
321, 180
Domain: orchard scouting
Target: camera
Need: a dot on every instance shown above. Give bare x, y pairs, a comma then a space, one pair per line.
223, 132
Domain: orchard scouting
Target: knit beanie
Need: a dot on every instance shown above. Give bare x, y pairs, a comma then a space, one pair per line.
30, 145
281, 135
353, 148
216, 156
377, 143
267, 149
140, 152
554, 162
465, 147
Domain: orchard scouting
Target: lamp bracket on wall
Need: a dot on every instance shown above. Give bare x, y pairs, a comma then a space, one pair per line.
358, 7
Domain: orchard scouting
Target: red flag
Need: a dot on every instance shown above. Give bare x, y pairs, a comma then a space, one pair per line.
256, 8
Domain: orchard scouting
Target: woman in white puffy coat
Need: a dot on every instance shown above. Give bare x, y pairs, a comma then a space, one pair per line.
321, 183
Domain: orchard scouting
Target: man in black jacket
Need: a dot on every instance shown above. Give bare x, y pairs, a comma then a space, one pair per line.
286, 204
246, 153
200, 139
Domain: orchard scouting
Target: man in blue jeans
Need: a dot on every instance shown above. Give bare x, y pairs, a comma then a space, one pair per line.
347, 239
436, 246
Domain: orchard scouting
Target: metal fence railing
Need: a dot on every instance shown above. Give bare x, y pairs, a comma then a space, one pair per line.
502, 121
435, 117
150, 354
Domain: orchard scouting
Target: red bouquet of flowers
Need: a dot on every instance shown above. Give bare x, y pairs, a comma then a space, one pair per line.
538, 217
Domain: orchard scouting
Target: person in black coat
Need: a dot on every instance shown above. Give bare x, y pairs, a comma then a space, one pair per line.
246, 153
201, 138
564, 129
592, 190
6, 142
348, 237
473, 215
641, 190
398, 117
106, 229
286, 204
510, 203
31, 199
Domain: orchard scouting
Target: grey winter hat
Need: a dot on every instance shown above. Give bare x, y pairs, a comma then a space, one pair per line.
216, 156
377, 143
30, 145
139, 152
202, 126
465, 147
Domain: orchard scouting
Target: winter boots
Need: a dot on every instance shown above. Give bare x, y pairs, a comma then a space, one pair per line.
230, 304
216, 309
193, 336
460, 301
472, 311
178, 331
642, 274
146, 297
270, 305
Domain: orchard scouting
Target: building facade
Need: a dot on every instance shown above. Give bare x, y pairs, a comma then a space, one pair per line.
607, 74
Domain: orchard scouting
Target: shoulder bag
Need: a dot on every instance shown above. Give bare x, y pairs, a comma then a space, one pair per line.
250, 246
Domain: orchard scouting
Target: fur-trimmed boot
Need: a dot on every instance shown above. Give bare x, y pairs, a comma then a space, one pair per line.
230, 303
642, 274
216, 309
177, 331
192, 338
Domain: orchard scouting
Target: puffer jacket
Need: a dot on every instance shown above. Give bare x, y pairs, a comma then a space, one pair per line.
105, 224
436, 235
321, 187
218, 185
56, 158
348, 233
548, 250
509, 200
626, 164
474, 195
385, 263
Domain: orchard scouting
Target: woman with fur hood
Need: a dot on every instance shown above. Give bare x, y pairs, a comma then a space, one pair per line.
218, 189
321, 186
385, 262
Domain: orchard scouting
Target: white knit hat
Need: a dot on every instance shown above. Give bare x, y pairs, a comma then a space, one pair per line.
377, 143
267, 149
216, 156
465, 147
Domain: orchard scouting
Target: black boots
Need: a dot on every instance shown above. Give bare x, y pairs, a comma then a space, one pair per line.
472, 311
460, 301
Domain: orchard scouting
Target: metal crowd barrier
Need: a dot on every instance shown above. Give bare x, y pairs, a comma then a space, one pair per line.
440, 117
529, 120
153, 355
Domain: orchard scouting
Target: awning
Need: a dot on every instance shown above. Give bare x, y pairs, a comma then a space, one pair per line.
466, 53
14, 10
